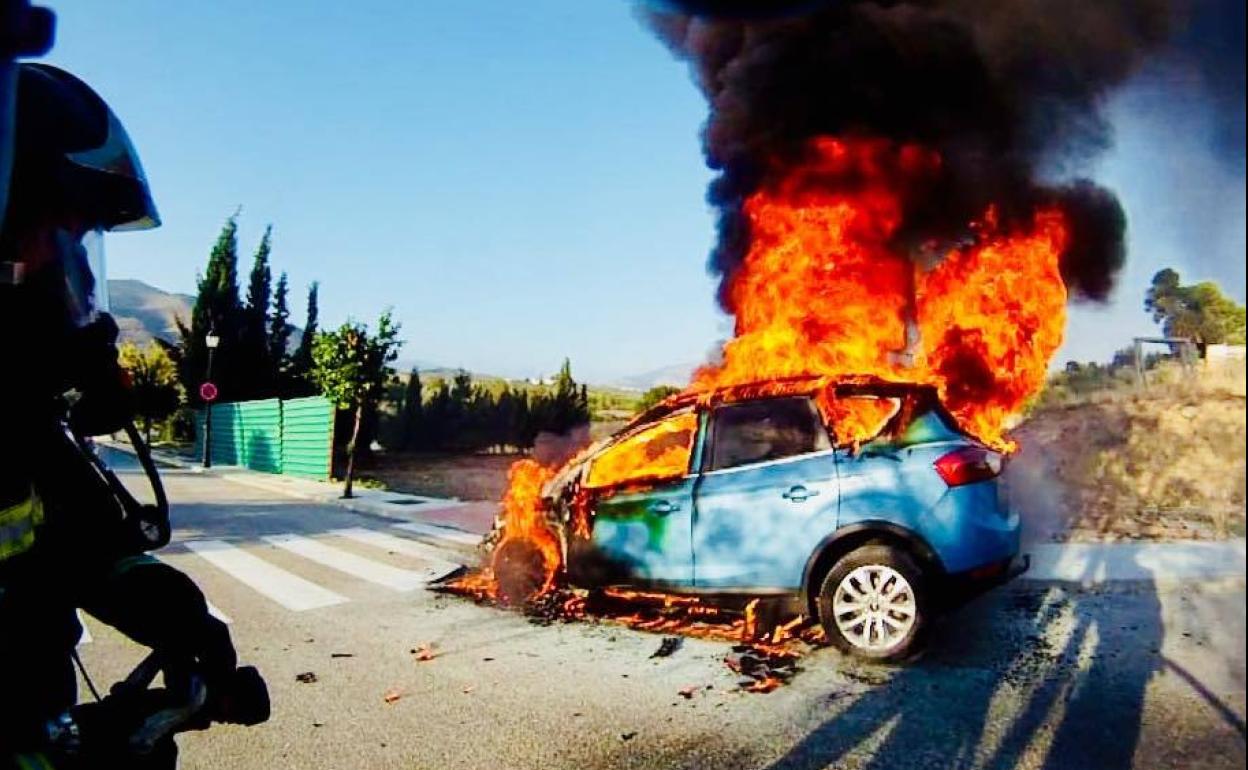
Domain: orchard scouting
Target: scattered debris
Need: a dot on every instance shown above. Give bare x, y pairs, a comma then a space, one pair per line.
669, 645
392, 695
307, 677
776, 639
687, 692
468, 689
425, 652
763, 668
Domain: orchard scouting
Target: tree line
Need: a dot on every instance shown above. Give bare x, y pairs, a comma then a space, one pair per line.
460, 415
254, 357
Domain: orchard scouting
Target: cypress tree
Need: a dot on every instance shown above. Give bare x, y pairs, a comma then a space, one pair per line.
279, 328
257, 376
413, 412
301, 361
217, 309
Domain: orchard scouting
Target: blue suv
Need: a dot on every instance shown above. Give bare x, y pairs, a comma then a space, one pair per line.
759, 492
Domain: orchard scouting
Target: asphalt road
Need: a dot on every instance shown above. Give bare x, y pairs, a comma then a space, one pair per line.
1029, 676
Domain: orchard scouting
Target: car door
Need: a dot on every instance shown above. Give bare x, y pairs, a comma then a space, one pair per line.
766, 496
644, 506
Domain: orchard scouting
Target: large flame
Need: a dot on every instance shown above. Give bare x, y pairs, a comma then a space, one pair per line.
824, 290
526, 561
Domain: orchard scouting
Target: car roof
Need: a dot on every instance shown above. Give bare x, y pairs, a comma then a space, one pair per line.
843, 385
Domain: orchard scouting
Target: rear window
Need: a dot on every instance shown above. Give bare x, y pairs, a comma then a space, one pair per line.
925, 426
760, 431
657, 452
857, 419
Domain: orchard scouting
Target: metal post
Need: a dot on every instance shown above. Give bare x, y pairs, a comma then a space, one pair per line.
211, 340
208, 417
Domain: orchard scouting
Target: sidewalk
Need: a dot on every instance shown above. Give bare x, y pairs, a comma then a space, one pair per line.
447, 519
1095, 563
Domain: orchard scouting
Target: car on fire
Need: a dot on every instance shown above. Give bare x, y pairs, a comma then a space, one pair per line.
856, 501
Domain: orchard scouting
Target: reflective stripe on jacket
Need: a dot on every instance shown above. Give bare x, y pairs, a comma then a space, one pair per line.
17, 526
32, 762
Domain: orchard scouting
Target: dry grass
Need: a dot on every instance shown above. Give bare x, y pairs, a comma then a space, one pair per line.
1165, 462
468, 477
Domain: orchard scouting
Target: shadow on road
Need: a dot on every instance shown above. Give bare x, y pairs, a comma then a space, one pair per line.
1059, 685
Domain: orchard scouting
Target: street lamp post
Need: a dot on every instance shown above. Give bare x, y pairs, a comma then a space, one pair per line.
211, 340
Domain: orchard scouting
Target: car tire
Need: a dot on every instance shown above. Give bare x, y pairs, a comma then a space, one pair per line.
873, 604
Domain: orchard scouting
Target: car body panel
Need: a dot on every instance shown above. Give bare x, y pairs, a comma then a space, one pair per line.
735, 530
746, 532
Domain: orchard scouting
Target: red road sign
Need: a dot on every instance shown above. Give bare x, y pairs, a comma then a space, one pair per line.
208, 391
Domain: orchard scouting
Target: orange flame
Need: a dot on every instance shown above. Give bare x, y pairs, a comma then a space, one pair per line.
659, 451
525, 562
823, 290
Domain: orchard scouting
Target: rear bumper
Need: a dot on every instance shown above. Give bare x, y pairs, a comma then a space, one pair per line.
960, 588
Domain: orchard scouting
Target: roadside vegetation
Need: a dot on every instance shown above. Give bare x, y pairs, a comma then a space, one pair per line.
1118, 451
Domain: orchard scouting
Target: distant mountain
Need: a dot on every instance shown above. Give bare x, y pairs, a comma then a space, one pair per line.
676, 375
143, 311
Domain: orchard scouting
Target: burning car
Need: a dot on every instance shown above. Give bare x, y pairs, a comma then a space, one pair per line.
859, 502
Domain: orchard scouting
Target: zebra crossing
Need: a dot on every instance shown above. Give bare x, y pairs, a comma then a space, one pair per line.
296, 593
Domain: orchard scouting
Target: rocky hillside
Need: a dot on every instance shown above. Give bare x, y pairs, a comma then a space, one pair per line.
144, 312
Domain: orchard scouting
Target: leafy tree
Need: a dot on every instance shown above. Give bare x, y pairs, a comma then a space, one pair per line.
351, 366
279, 327
154, 382
217, 309
1199, 312
654, 395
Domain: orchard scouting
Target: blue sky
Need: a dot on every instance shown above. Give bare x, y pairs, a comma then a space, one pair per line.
520, 181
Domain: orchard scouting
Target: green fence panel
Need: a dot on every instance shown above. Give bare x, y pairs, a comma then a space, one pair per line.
272, 436
307, 437
258, 435
226, 434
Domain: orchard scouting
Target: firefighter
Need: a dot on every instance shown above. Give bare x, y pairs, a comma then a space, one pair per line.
64, 539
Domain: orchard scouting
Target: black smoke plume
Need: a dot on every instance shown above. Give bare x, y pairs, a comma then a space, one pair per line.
1009, 92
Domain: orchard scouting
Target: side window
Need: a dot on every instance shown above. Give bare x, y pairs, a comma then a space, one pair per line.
759, 431
660, 451
857, 419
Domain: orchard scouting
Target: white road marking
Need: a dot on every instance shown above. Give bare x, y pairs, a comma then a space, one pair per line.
345, 561
213, 609
216, 612
86, 637
442, 533
285, 588
438, 565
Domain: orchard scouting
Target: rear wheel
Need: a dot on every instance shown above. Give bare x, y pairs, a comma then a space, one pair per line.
872, 604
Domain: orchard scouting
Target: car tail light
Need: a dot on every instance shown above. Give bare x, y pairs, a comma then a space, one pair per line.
968, 465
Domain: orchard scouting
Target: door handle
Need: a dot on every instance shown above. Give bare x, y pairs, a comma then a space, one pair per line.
800, 493
664, 507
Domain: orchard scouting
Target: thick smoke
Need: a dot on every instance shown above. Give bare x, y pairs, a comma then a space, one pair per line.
1005, 90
